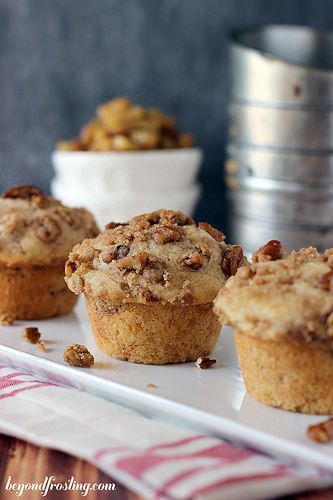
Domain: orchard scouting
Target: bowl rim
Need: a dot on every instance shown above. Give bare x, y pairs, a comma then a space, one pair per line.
119, 154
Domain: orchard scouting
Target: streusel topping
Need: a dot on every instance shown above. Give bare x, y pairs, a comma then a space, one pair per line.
36, 229
162, 256
281, 296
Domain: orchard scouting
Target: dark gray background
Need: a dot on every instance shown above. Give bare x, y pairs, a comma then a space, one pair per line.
60, 58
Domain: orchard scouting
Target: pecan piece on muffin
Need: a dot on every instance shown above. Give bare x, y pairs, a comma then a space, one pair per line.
150, 290
36, 235
281, 309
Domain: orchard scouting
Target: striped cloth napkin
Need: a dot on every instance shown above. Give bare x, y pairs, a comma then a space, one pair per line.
155, 459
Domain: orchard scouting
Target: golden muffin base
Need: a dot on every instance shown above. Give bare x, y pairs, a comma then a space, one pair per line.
34, 292
153, 334
291, 375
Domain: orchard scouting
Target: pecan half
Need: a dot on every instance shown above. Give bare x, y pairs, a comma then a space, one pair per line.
215, 233
46, 228
232, 258
30, 193
78, 355
167, 234
327, 281
322, 432
204, 362
272, 250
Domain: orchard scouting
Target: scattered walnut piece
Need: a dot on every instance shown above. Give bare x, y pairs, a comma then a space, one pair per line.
322, 432
6, 319
151, 386
31, 334
41, 346
167, 234
215, 233
232, 259
204, 362
272, 250
78, 355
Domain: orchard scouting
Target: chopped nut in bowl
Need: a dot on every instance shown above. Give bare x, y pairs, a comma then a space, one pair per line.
127, 148
149, 286
120, 125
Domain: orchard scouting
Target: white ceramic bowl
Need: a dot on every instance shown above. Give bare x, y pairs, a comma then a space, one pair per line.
123, 205
152, 171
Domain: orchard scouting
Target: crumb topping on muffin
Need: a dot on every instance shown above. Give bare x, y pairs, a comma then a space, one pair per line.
161, 256
281, 296
36, 229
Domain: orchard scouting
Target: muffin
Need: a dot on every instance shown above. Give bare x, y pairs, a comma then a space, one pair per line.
149, 286
36, 235
281, 309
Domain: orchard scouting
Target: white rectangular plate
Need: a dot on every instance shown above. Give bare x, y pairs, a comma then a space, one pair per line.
212, 401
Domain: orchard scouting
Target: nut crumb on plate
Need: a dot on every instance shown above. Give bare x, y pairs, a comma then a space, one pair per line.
151, 386
6, 319
31, 334
322, 432
78, 355
41, 346
204, 362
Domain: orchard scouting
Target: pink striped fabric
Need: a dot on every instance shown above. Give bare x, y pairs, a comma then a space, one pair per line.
13, 382
228, 465
196, 466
